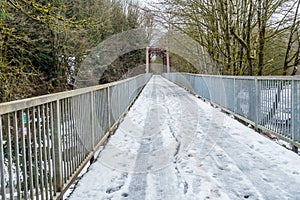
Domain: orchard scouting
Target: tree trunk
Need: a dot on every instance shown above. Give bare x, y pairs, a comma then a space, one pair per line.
293, 29
261, 15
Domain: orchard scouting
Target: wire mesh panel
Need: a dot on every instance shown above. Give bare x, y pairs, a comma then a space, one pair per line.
205, 82
276, 105
296, 110
217, 93
269, 102
228, 85
245, 97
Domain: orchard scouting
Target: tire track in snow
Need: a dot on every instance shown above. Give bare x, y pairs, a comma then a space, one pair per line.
203, 167
138, 184
167, 172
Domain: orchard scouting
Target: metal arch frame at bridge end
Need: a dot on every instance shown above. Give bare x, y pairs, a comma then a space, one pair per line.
157, 51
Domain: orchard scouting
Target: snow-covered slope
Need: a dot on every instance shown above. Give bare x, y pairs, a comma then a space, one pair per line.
172, 145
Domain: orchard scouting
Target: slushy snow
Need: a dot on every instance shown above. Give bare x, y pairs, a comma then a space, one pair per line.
172, 145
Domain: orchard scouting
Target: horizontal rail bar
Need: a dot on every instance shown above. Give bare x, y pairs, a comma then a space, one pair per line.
244, 77
46, 141
35, 101
269, 103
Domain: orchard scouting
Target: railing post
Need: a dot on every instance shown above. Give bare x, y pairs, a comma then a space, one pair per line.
108, 106
234, 96
257, 103
293, 107
92, 121
57, 149
147, 60
3, 193
168, 62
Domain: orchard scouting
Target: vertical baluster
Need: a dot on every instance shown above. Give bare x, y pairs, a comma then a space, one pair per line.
66, 136
45, 144
278, 111
9, 154
35, 147
16, 153
257, 102
108, 106
3, 185
87, 123
57, 137
29, 153
264, 102
293, 109
52, 152
69, 137
92, 120
285, 101
74, 131
289, 108
24, 151
82, 127
63, 135
40, 151
277, 115
273, 106
78, 128
269, 100
48, 149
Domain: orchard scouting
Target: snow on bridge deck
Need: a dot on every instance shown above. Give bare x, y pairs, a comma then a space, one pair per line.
172, 145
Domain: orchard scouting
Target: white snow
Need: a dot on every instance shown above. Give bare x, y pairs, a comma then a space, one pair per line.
171, 145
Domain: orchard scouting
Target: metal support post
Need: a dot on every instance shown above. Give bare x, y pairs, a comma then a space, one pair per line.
147, 59
57, 150
168, 61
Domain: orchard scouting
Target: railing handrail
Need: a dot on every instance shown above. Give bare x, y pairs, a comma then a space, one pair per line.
50, 138
12, 106
297, 77
269, 103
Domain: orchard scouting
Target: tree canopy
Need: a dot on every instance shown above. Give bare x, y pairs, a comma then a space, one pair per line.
42, 43
242, 37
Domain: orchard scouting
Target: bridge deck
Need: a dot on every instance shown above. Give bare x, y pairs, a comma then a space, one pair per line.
172, 145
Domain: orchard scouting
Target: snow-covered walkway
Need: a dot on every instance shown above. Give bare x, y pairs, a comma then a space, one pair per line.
172, 145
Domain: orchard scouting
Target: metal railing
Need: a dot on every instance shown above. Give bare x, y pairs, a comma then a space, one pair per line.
46, 141
268, 103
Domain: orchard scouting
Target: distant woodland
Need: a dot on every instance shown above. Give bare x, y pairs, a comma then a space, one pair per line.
43, 43
242, 37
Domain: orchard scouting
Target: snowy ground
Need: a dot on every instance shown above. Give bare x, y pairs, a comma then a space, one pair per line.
172, 145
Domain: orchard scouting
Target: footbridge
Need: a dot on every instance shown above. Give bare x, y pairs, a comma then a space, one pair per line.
169, 136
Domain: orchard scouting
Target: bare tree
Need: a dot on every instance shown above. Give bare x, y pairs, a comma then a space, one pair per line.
238, 34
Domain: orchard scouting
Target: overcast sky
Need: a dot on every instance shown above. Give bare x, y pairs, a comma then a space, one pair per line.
145, 2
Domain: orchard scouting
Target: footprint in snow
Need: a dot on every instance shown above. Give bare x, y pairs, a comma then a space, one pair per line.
119, 183
113, 189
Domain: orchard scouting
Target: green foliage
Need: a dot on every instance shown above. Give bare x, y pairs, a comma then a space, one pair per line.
127, 65
179, 64
37, 38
